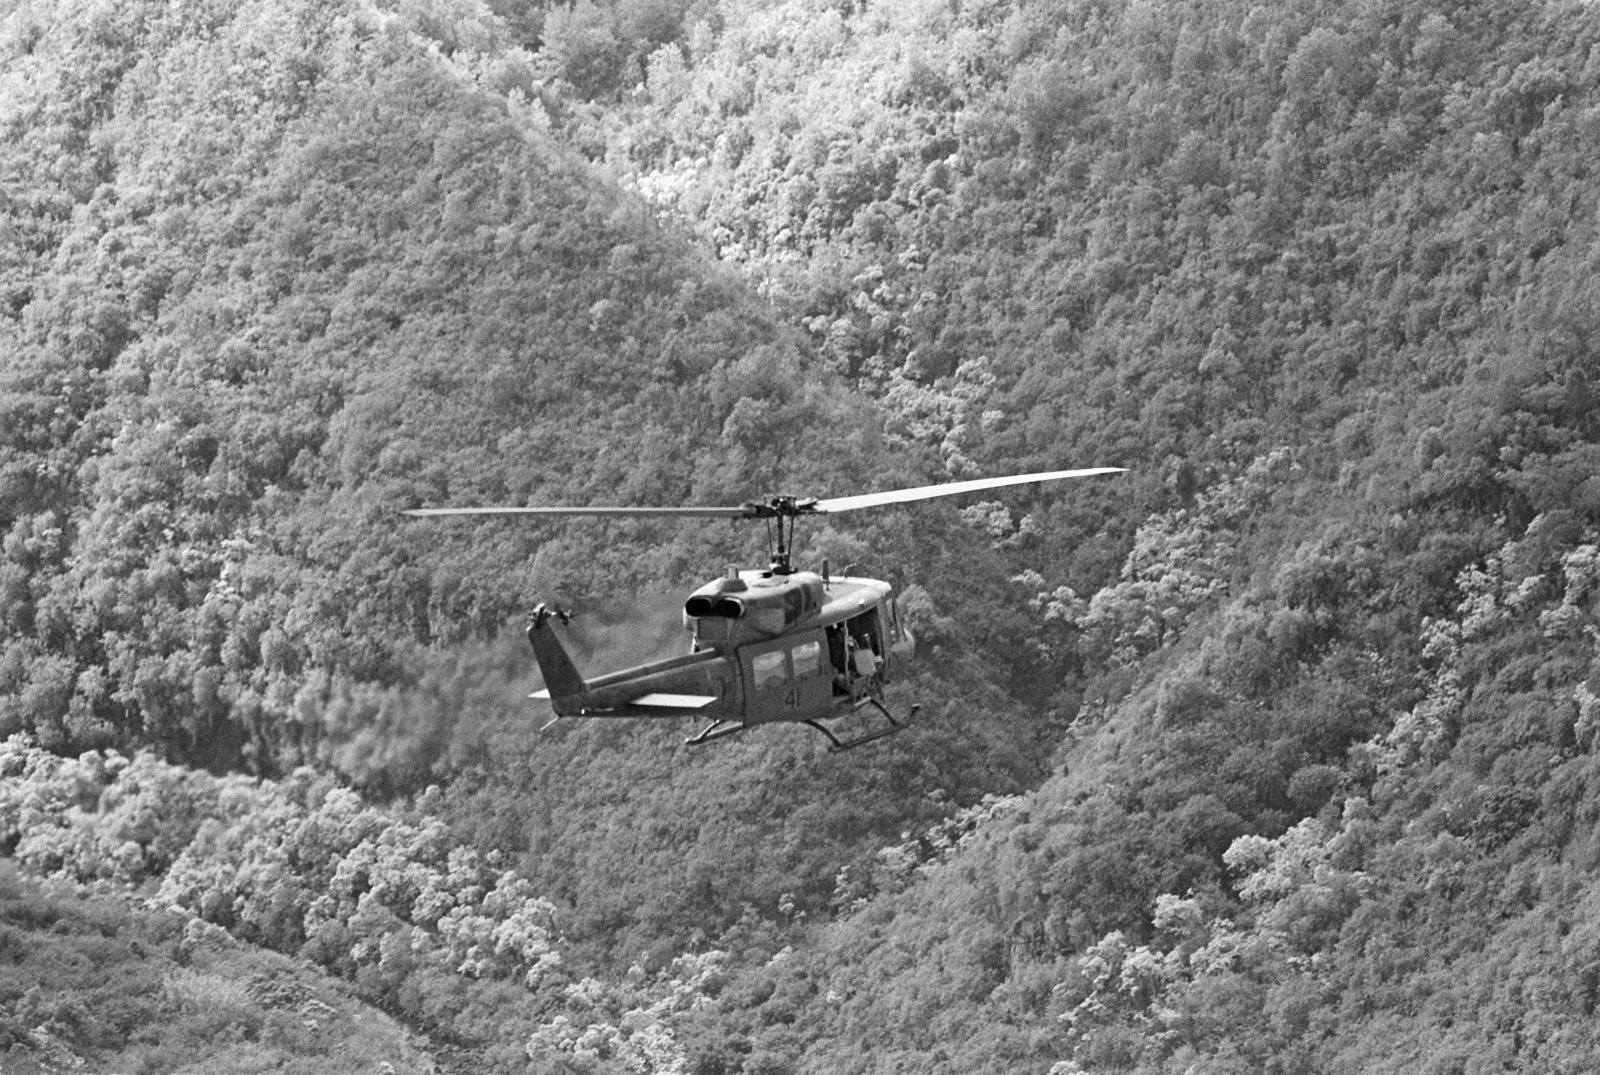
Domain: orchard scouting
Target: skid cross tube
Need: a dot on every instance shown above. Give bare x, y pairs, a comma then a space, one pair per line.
715, 730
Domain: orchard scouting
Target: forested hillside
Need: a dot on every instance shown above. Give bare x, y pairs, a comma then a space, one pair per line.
151, 991
1274, 754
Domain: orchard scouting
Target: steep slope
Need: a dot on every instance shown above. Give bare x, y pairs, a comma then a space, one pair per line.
372, 287
1294, 726
281, 272
1326, 806
104, 982
1152, 232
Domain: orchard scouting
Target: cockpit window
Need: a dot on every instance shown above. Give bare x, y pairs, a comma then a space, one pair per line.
768, 621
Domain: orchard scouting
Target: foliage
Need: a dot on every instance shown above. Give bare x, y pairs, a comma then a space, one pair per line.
301, 867
1212, 902
1273, 754
102, 983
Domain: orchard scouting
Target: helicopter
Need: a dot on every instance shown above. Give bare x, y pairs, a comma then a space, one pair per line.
770, 645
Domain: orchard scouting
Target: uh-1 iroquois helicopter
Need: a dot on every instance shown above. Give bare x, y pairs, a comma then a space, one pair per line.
773, 645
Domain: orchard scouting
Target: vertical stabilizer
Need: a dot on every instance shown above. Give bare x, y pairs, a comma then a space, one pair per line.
561, 676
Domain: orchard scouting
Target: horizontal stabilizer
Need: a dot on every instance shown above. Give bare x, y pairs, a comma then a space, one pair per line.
675, 701
659, 701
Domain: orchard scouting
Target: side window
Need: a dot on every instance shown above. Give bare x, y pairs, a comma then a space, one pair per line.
769, 670
807, 659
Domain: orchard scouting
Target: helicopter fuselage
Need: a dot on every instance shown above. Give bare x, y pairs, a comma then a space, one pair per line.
768, 647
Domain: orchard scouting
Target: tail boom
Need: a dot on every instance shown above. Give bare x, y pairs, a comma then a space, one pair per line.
677, 686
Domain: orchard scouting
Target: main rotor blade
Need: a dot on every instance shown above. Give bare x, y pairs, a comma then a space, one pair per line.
701, 513
928, 492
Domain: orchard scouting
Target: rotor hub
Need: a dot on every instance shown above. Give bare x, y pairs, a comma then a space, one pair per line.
781, 507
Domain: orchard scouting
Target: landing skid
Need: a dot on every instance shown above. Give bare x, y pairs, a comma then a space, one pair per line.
840, 745
721, 729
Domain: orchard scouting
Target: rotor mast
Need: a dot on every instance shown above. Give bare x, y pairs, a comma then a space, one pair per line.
782, 513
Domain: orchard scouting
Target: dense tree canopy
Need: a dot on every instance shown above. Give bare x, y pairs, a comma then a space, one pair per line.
1273, 754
